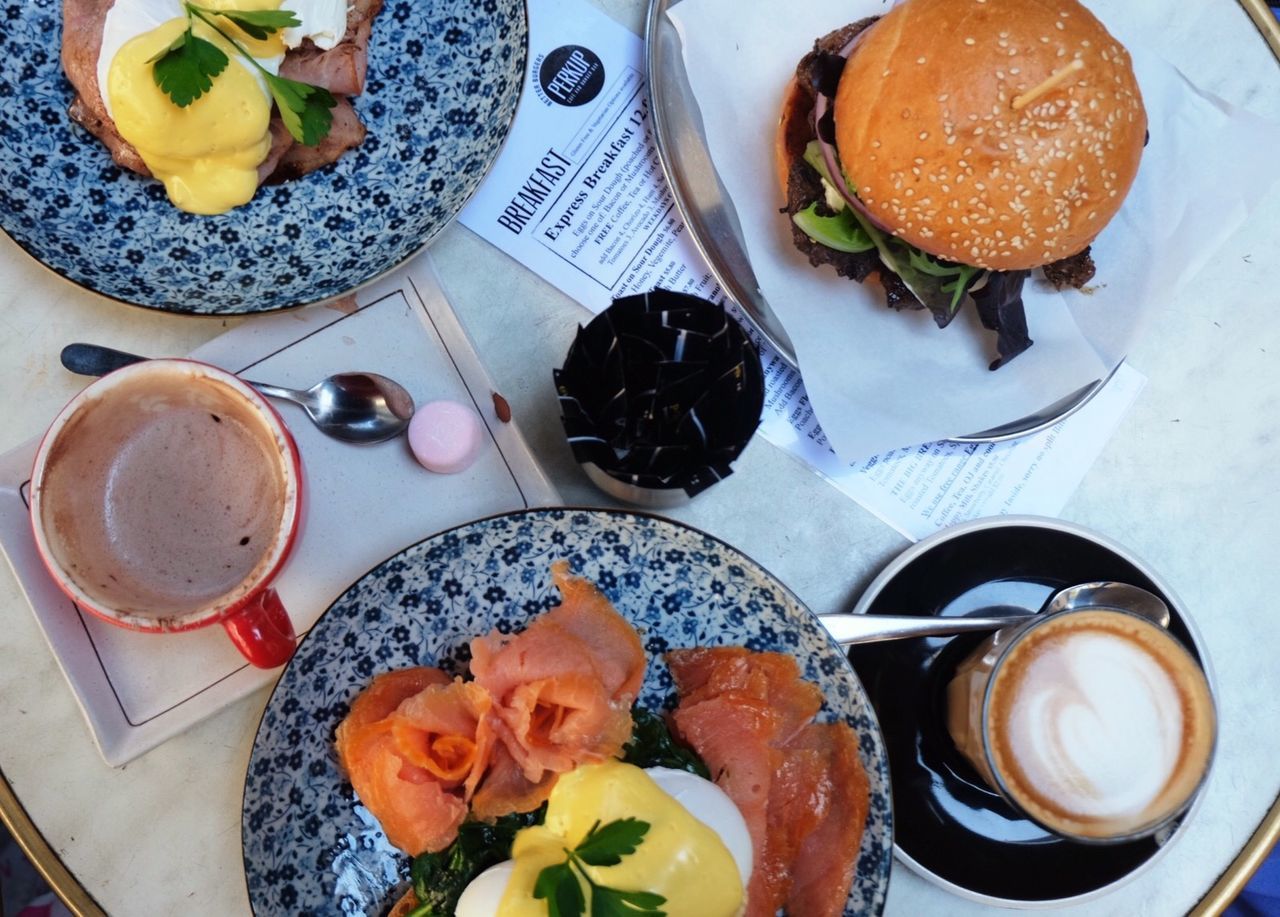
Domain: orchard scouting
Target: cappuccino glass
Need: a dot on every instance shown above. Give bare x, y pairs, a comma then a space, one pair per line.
1095, 723
166, 497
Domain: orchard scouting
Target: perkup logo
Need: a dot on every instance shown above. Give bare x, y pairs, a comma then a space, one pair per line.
570, 75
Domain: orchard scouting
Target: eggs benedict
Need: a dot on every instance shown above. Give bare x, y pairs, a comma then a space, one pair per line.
695, 853
206, 154
212, 151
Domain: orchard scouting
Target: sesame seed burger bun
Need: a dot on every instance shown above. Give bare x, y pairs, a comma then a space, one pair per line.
926, 129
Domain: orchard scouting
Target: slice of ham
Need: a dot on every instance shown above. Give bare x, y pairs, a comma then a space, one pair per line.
295, 160
799, 786
81, 42
281, 142
341, 69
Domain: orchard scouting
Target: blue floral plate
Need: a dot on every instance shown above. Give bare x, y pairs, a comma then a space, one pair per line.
310, 848
444, 79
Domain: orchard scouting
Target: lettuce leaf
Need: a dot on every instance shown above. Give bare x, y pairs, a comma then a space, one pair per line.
941, 286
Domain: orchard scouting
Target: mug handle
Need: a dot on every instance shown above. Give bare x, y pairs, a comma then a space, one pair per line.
262, 631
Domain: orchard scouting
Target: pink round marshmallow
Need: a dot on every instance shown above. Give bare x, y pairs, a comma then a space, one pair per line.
445, 436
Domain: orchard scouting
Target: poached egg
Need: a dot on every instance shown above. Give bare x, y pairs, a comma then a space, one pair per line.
697, 852
206, 154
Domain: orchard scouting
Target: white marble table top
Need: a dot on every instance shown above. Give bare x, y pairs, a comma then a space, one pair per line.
1191, 483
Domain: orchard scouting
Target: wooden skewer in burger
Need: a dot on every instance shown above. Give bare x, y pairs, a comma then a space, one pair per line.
952, 146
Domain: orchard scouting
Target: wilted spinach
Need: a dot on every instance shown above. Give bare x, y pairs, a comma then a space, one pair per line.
439, 878
653, 745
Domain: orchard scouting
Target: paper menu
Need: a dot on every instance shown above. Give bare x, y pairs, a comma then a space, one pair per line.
578, 193
1181, 208
360, 505
921, 489
578, 196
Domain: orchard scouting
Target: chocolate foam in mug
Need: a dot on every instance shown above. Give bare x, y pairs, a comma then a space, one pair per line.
1099, 724
165, 496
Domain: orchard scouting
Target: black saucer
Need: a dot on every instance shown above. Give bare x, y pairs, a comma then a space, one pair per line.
946, 821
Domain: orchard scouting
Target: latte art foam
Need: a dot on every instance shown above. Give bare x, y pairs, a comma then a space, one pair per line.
1099, 723
1097, 726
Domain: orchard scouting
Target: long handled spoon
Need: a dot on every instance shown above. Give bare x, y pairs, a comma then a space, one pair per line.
848, 629
352, 407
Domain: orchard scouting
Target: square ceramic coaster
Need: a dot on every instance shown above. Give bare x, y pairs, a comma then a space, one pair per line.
361, 504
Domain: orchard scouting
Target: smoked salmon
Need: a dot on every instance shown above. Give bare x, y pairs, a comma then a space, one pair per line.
506, 789
563, 687
582, 634
380, 699
733, 735
831, 848
447, 731
799, 785
416, 811
422, 750
774, 678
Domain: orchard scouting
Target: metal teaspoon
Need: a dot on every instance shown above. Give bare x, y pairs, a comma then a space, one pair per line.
353, 407
848, 629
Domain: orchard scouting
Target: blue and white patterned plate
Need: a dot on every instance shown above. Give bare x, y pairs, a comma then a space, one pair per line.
444, 79
311, 849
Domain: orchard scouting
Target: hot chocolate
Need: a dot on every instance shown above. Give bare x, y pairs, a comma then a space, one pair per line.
165, 498
1096, 723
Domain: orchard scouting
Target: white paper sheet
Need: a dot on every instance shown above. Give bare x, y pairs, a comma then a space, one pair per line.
881, 379
527, 195
920, 489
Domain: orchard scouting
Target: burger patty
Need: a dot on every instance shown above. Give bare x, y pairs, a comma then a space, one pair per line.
804, 186
1074, 271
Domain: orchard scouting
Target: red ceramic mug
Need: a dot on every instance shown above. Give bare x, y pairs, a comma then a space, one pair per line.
165, 497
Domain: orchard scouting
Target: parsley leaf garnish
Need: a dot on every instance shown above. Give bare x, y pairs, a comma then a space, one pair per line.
303, 108
608, 845
559, 887
607, 902
558, 884
257, 23
185, 70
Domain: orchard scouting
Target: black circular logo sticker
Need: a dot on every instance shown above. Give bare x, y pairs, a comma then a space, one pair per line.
571, 75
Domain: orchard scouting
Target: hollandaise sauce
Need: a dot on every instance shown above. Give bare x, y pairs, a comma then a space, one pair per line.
206, 154
679, 858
